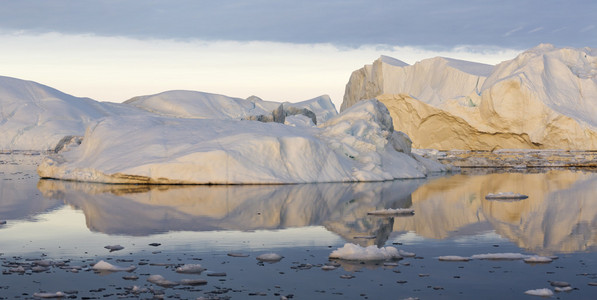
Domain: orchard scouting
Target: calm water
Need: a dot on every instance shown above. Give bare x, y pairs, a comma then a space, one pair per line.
70, 223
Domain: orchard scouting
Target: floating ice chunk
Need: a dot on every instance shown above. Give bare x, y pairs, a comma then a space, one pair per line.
161, 281
356, 252
328, 268
563, 289
49, 295
114, 247
500, 256
106, 266
453, 258
190, 269
193, 282
406, 254
506, 196
392, 212
270, 257
559, 283
540, 292
535, 259
18, 269
238, 255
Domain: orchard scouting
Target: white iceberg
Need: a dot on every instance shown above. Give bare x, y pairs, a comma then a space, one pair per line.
542, 99
370, 253
357, 145
106, 266
453, 258
161, 281
535, 259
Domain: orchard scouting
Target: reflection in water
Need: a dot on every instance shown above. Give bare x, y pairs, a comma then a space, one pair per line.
560, 214
19, 199
142, 210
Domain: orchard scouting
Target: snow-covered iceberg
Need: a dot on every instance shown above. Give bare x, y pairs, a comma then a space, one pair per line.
544, 98
200, 105
36, 117
357, 145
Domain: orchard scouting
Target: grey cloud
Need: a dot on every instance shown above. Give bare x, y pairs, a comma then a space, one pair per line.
431, 23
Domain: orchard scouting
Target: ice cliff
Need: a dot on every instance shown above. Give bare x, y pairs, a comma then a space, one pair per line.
545, 98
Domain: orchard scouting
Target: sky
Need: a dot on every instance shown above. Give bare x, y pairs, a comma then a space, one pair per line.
279, 50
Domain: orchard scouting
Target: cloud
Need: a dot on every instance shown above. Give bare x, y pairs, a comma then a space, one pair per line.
347, 23
119, 68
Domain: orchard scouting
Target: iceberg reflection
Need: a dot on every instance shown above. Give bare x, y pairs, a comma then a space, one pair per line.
143, 210
560, 214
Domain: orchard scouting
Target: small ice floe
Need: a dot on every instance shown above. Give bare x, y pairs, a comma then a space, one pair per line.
535, 259
49, 295
155, 244
238, 255
130, 277
270, 257
328, 268
563, 289
453, 258
217, 274
559, 283
406, 254
390, 264
39, 269
106, 266
161, 281
506, 196
346, 276
113, 248
500, 256
390, 212
193, 282
43, 263
540, 292
356, 252
190, 269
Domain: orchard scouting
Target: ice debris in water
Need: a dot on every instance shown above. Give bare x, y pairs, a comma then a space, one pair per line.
106, 266
540, 292
506, 196
454, 258
406, 254
535, 259
190, 269
270, 257
500, 256
356, 252
563, 289
392, 212
114, 247
161, 281
49, 295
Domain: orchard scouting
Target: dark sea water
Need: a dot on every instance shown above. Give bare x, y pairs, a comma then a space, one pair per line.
64, 226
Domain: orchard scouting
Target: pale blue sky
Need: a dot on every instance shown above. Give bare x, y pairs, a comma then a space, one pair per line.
277, 49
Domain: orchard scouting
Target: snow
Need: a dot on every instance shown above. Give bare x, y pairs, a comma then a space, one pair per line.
355, 252
356, 145
540, 292
106, 266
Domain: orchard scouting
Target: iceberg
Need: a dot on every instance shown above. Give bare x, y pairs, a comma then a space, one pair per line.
542, 99
358, 145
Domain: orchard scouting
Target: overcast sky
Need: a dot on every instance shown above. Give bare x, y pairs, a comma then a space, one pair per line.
279, 50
